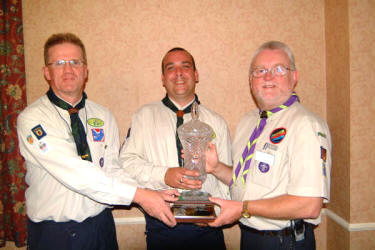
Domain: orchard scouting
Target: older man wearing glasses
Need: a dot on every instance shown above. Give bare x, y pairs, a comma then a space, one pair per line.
282, 156
71, 148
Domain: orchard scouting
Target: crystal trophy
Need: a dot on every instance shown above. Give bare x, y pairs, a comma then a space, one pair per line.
193, 205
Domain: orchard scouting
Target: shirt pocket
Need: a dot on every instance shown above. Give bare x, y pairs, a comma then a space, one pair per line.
265, 170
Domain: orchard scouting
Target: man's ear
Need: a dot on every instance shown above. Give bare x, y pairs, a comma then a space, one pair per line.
162, 79
196, 76
295, 78
46, 73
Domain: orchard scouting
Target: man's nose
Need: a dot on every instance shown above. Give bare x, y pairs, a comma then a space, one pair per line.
269, 74
67, 67
178, 71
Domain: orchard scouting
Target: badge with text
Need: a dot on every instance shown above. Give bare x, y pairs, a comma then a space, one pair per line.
269, 146
98, 134
38, 131
277, 135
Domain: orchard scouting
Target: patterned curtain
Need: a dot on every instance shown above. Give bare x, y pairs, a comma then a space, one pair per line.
12, 101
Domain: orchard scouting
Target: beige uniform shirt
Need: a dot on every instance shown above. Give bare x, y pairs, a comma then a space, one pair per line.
62, 186
151, 147
298, 164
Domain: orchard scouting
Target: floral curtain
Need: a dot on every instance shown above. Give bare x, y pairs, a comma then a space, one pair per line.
12, 101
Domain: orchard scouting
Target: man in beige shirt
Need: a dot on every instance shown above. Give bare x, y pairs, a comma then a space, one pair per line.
281, 176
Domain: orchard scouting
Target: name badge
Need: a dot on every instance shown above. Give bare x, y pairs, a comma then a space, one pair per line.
265, 157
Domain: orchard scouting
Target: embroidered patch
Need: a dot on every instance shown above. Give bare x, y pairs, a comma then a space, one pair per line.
101, 162
277, 135
30, 139
98, 134
324, 169
95, 122
43, 147
263, 167
323, 153
38, 131
322, 134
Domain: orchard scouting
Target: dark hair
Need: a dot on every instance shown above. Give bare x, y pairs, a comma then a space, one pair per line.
61, 38
177, 49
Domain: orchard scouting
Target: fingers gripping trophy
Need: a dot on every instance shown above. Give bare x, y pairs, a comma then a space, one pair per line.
193, 205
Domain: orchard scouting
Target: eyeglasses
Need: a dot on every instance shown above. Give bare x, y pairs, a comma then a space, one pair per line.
278, 70
74, 63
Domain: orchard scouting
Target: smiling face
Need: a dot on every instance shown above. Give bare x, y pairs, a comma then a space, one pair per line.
179, 77
270, 91
67, 82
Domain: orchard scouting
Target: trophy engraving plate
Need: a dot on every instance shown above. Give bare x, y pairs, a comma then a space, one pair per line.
193, 211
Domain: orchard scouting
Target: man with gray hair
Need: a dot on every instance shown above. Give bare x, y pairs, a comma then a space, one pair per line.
282, 174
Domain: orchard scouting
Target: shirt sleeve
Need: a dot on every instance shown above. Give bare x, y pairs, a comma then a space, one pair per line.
310, 160
113, 167
53, 154
133, 156
223, 146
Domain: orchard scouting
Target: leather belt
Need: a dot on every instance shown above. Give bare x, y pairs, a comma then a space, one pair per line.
283, 232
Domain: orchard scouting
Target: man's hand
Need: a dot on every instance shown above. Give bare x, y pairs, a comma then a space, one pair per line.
178, 178
230, 211
170, 195
154, 203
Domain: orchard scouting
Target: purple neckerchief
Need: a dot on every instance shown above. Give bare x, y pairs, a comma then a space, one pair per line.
248, 153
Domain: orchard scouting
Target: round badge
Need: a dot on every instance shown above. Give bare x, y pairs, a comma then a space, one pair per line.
263, 167
277, 135
101, 162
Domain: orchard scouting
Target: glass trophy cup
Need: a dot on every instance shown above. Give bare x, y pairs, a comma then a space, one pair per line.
193, 205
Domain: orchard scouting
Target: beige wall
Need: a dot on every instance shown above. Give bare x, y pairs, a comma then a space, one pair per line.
125, 41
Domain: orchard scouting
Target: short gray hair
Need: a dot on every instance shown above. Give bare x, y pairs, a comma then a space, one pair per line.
274, 45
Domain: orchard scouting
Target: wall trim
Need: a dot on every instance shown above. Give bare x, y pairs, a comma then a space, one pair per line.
351, 227
130, 220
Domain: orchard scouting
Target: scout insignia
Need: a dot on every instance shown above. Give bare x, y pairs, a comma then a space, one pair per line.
38, 131
98, 134
323, 155
95, 122
30, 139
277, 135
263, 167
